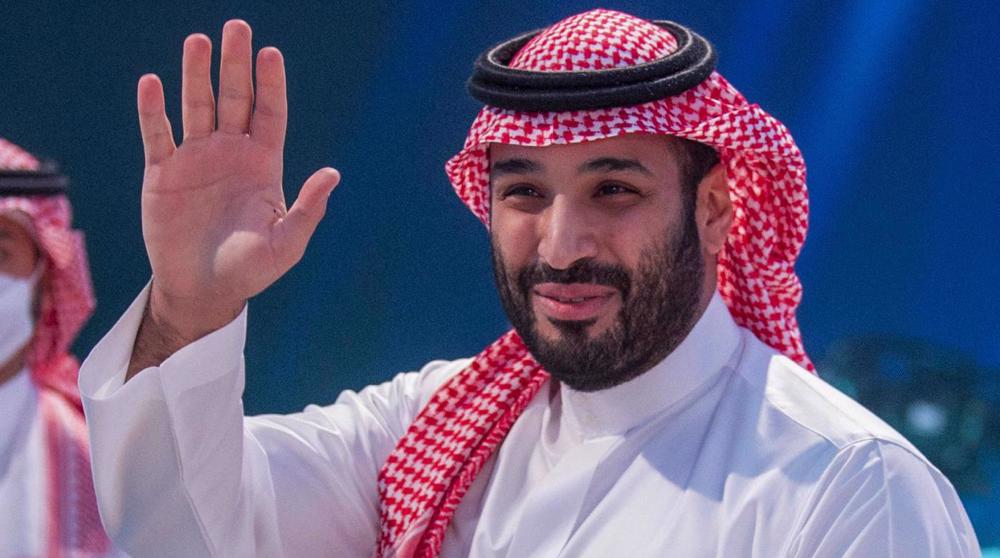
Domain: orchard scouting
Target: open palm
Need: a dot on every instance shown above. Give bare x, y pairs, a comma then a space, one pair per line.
214, 219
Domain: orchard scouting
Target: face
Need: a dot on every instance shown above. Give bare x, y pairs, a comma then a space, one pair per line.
18, 252
597, 255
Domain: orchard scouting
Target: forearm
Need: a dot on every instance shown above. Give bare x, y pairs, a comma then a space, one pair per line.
179, 469
168, 446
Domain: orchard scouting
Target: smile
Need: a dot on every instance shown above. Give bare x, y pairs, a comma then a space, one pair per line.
574, 302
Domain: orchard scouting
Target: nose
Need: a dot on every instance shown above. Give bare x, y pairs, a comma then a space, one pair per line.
566, 234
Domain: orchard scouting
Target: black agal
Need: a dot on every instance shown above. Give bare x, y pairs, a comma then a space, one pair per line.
493, 82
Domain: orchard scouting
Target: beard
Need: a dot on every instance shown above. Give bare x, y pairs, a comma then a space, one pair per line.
660, 300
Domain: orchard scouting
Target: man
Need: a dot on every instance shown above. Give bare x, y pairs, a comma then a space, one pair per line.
46, 492
644, 220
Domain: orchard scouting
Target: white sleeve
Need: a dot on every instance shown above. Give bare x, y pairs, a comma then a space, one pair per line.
880, 499
179, 471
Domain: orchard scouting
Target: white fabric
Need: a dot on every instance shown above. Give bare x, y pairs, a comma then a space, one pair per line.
22, 474
16, 321
725, 448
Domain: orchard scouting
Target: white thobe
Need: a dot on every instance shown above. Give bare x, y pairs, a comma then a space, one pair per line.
725, 448
23, 478
24, 472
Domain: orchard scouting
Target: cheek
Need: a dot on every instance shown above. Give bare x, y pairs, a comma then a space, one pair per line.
514, 235
18, 261
634, 235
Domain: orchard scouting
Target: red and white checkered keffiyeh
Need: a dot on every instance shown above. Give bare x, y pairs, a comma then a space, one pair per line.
424, 479
72, 525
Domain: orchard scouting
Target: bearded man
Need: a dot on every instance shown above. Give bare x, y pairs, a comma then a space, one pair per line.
653, 398
46, 492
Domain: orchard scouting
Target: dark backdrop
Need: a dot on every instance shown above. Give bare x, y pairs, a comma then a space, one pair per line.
893, 103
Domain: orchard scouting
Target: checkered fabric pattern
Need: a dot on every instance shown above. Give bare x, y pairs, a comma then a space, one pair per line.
13, 157
73, 526
434, 463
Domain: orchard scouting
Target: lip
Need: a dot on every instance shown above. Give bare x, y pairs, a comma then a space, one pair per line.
572, 302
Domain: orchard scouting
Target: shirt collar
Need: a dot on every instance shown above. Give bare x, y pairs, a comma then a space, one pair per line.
15, 396
706, 350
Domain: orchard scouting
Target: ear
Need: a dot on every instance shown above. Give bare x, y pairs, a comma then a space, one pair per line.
714, 210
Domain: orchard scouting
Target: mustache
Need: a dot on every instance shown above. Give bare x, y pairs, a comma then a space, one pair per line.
582, 271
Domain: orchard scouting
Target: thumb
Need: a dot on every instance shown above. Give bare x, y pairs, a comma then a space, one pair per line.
293, 231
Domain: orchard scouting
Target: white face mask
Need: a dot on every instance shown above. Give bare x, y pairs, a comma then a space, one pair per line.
16, 321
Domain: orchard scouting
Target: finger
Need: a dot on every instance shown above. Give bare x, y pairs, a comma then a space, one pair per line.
157, 138
293, 231
235, 85
197, 100
270, 113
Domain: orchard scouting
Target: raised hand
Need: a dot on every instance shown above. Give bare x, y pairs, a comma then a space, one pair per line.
214, 219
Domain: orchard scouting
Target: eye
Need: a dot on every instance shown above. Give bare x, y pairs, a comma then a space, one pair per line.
614, 189
520, 190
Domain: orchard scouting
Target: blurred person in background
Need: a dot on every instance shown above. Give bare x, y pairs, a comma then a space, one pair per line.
47, 505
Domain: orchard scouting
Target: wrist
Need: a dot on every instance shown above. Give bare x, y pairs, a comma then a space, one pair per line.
191, 318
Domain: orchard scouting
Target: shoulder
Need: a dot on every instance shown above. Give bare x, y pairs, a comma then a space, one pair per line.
414, 387
808, 404
859, 477
878, 498
393, 404
792, 426
59, 374
364, 422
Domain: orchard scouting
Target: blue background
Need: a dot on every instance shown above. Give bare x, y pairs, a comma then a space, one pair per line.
893, 103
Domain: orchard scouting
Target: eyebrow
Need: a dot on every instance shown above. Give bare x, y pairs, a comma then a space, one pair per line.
605, 164
514, 166
600, 164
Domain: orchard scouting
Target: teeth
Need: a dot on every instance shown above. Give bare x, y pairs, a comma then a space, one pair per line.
578, 299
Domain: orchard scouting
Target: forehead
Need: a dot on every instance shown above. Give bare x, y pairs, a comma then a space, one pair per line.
653, 151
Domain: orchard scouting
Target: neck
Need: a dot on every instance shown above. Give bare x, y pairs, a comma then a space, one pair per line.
13, 365
708, 286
